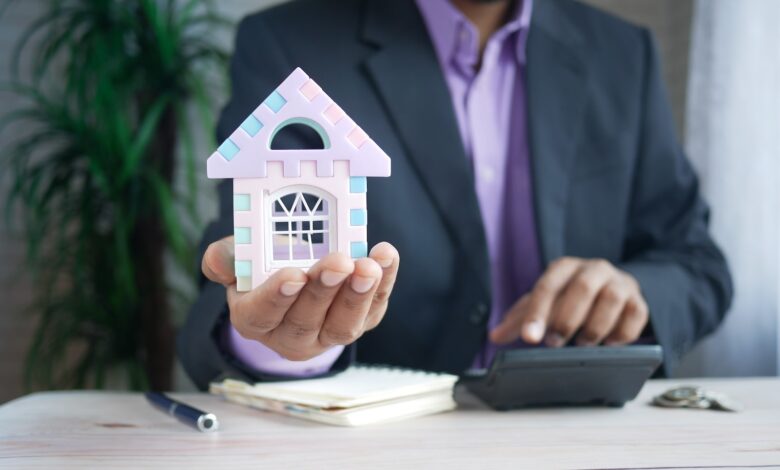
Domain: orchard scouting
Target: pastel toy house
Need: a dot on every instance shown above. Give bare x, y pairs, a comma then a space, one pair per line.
292, 207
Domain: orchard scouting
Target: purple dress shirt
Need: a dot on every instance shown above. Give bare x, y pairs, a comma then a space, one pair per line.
488, 99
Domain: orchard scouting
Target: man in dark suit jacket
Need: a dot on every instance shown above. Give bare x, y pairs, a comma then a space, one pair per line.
621, 229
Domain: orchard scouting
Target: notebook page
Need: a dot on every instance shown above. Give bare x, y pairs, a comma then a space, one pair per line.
357, 385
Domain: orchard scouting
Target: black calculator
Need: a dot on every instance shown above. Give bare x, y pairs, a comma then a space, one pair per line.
570, 376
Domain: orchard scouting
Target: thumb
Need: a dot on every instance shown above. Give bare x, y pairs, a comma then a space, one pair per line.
218, 264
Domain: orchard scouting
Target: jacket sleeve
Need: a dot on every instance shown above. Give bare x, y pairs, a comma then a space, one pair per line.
683, 275
258, 65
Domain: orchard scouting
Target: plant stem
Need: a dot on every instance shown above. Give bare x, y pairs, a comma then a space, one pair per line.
149, 246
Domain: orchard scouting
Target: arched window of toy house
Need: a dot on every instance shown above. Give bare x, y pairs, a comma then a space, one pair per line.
301, 221
299, 134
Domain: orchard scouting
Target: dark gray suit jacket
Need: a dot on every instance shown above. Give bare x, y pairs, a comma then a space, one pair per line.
610, 178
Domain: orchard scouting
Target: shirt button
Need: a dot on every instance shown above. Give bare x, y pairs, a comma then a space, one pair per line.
479, 314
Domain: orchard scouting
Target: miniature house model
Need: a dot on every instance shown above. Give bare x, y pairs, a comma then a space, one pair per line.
292, 207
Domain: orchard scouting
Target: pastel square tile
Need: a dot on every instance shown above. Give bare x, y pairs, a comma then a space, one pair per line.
357, 184
243, 268
244, 283
243, 235
228, 149
242, 202
358, 249
252, 125
357, 137
334, 113
310, 89
275, 101
357, 217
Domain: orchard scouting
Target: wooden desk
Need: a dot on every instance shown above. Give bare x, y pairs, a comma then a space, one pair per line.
104, 429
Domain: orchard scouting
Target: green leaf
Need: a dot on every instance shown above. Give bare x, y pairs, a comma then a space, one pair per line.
143, 137
170, 218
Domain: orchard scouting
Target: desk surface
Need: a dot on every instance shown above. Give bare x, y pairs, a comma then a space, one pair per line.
102, 429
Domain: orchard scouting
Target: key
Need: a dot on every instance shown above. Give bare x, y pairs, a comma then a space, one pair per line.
722, 402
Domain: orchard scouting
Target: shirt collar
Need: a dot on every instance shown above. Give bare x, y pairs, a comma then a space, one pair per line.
456, 39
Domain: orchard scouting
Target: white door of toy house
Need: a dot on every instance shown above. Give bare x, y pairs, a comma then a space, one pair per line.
301, 226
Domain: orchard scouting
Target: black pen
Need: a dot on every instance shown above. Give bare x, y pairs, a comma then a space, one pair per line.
200, 420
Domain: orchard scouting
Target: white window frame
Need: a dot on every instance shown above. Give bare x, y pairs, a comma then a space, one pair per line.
271, 220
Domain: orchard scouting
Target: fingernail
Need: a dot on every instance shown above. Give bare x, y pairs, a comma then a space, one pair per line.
586, 339
534, 330
361, 284
385, 262
332, 278
554, 340
289, 289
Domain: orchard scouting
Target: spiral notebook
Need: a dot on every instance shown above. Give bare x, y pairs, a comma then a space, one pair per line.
358, 396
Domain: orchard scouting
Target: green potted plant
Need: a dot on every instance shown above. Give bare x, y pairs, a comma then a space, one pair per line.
106, 127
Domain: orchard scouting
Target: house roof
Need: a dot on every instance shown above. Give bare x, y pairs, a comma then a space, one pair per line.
297, 100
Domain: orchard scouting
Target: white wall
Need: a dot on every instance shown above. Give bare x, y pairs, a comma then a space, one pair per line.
734, 141
16, 325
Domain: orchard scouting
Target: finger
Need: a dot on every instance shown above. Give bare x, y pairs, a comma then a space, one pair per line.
512, 326
347, 314
217, 263
301, 325
388, 258
631, 323
604, 316
257, 312
530, 322
575, 302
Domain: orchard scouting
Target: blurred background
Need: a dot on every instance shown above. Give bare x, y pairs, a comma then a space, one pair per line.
101, 325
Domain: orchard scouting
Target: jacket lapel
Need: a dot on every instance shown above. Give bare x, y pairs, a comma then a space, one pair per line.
407, 75
556, 89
